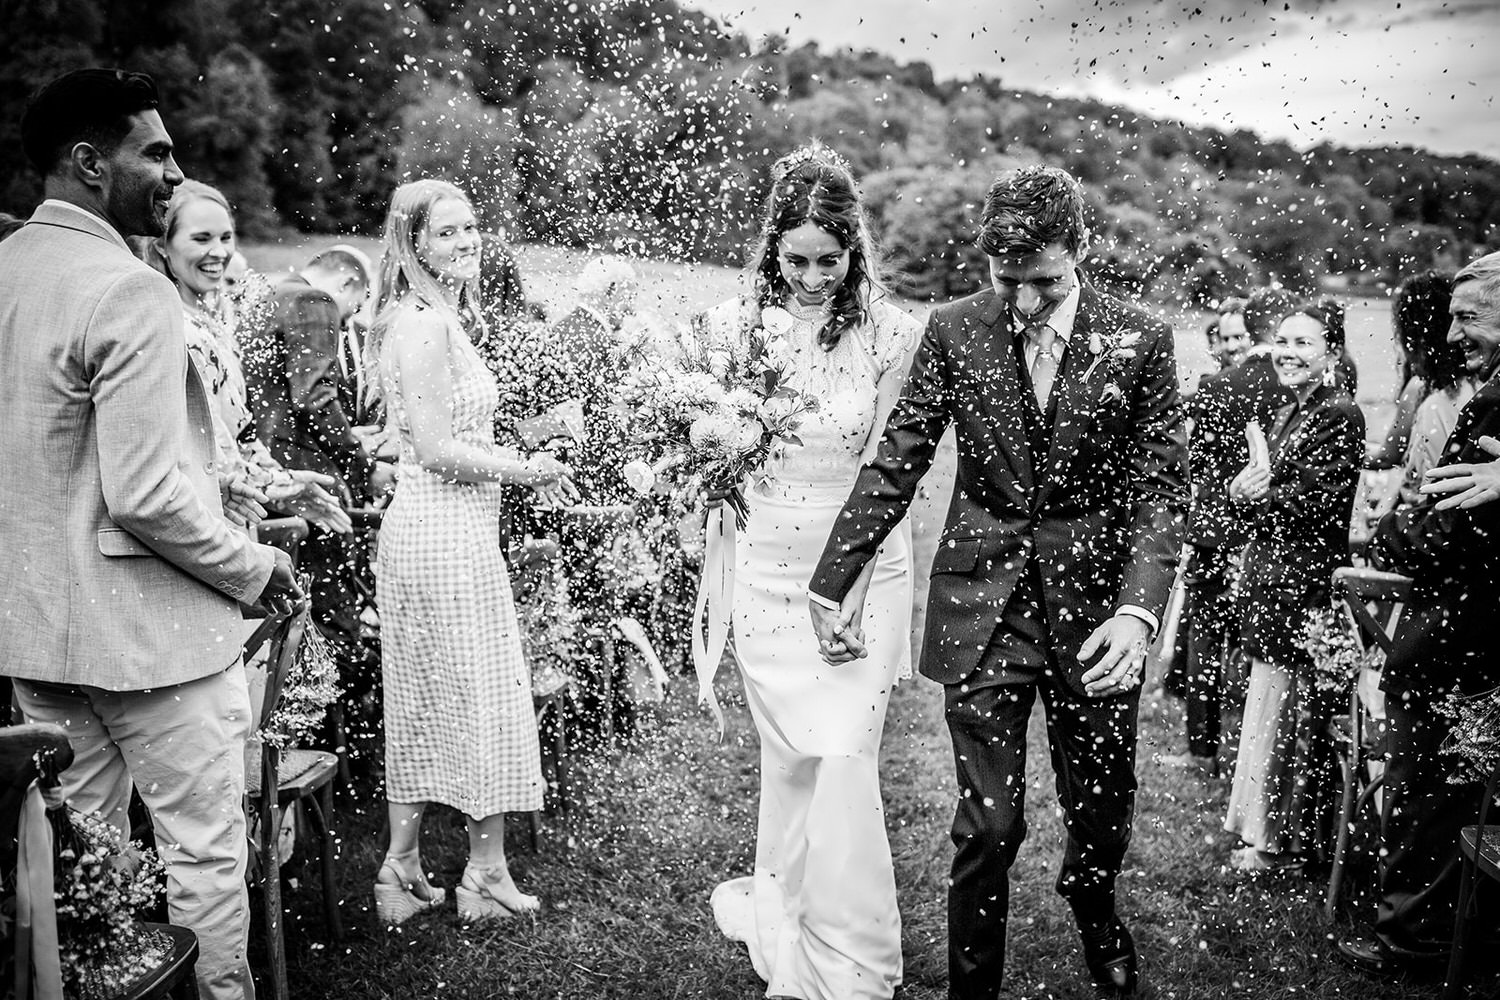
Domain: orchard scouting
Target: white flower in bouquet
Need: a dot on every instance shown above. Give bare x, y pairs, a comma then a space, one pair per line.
725, 432
742, 402
693, 393
643, 476
639, 476
776, 321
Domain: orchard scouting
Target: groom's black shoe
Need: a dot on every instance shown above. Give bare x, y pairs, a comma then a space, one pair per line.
1109, 953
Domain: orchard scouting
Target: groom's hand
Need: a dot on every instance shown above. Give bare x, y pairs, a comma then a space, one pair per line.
1124, 640
839, 639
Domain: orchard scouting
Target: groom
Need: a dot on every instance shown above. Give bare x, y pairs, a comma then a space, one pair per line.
1054, 566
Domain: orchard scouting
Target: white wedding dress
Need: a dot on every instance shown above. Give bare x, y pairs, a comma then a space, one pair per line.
818, 914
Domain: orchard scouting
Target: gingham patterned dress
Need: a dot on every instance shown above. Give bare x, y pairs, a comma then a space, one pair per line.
459, 723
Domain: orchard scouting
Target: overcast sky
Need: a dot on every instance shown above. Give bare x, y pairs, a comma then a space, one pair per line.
1357, 72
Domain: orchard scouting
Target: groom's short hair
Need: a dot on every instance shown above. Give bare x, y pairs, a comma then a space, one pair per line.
1030, 208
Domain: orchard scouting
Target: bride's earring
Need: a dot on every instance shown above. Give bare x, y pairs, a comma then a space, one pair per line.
1330, 374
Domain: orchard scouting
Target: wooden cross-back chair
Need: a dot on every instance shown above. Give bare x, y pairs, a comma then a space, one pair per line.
277, 778
1479, 847
1373, 602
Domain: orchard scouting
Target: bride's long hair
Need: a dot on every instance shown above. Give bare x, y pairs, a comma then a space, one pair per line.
813, 184
403, 277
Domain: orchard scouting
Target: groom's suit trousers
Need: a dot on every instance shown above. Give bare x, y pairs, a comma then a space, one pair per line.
1092, 743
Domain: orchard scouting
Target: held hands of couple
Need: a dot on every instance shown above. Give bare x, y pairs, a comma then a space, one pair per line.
1121, 644
1467, 484
840, 638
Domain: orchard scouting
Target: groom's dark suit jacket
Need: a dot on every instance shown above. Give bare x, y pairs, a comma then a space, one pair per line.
1097, 498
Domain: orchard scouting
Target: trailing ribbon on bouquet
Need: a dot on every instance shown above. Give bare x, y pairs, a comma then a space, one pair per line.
36, 908
710, 632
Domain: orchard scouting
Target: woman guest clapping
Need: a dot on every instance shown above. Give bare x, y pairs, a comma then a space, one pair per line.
194, 253
459, 724
1297, 507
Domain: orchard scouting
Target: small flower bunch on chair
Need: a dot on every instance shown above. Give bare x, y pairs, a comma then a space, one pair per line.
103, 891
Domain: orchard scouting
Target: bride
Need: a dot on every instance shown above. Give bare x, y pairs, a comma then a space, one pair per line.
819, 913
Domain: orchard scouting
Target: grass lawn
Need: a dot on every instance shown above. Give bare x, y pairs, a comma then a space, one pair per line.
626, 880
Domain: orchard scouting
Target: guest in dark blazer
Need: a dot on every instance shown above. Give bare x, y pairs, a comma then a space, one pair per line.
1297, 512
292, 370
1445, 642
1226, 401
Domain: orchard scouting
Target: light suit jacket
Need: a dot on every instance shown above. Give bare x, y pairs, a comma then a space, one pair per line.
117, 568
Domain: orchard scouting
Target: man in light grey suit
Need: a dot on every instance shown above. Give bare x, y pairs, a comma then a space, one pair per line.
119, 603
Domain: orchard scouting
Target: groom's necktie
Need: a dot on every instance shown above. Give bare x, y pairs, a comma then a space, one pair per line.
1044, 365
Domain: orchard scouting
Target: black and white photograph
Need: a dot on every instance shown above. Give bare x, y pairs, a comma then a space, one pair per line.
721, 499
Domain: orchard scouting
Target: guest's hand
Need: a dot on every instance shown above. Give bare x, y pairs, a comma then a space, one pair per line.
243, 503
282, 591
839, 639
382, 481
1252, 483
1124, 640
304, 493
1467, 484
552, 481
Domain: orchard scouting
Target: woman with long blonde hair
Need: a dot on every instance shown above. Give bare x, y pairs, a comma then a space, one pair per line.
459, 724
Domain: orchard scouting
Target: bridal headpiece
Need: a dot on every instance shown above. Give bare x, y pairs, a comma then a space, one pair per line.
813, 152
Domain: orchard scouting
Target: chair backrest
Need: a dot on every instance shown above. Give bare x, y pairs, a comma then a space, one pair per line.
1360, 589
284, 631
285, 533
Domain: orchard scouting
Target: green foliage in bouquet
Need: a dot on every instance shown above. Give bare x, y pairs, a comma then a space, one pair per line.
1336, 653
102, 891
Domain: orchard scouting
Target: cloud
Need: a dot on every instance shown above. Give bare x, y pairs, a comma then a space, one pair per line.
1354, 71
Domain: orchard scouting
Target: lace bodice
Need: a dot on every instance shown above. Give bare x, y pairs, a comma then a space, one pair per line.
844, 381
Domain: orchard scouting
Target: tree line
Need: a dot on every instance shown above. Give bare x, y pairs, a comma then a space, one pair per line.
645, 126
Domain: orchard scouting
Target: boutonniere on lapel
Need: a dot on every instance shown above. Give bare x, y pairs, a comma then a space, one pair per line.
1112, 350
1112, 394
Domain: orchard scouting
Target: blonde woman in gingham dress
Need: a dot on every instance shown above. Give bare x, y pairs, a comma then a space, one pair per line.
459, 724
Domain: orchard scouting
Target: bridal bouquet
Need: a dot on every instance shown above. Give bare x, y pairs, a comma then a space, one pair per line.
713, 416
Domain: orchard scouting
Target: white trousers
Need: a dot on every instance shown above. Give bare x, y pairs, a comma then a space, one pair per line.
183, 748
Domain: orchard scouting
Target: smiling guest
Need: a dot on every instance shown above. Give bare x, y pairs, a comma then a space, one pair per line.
195, 253
1297, 510
1445, 643
459, 724
119, 614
